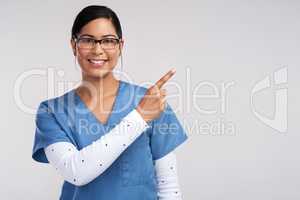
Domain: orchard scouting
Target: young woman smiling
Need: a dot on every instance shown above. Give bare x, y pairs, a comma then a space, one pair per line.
105, 137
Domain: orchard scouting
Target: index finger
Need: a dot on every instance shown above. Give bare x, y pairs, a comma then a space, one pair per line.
165, 78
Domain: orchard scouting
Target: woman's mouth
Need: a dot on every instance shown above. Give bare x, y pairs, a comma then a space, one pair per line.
97, 62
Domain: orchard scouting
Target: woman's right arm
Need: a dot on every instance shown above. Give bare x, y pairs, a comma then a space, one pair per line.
81, 167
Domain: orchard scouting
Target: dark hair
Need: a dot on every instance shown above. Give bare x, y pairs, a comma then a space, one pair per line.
92, 12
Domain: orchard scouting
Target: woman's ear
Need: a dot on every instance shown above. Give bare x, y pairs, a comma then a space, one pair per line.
121, 45
73, 45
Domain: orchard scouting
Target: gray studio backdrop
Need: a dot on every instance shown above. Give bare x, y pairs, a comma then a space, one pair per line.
236, 89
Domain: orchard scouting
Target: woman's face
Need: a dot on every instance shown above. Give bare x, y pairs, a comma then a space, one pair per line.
97, 62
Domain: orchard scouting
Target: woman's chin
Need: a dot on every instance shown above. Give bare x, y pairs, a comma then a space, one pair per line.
97, 73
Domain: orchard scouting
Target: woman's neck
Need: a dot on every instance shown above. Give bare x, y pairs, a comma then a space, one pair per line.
103, 87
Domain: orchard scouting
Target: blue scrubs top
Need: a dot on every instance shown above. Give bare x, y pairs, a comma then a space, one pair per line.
132, 176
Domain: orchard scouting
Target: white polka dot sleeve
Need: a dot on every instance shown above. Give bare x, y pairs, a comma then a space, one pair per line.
167, 179
81, 167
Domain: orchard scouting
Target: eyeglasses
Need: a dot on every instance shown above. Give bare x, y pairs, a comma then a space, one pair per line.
90, 43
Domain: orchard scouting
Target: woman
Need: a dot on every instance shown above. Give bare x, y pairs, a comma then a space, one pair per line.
109, 139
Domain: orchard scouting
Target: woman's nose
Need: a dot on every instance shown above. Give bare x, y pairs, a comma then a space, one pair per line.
98, 49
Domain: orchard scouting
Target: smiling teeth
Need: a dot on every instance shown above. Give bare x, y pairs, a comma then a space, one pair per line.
97, 61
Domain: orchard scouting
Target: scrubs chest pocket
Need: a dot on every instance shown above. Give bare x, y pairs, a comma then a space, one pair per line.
137, 164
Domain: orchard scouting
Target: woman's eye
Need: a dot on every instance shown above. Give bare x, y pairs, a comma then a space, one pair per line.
87, 40
109, 41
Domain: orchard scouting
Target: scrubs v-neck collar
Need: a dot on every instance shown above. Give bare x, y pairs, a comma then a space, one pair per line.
113, 112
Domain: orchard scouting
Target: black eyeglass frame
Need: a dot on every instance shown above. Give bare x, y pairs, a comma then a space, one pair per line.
95, 41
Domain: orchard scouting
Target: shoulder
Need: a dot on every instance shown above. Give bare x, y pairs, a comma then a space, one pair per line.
134, 87
130, 95
57, 103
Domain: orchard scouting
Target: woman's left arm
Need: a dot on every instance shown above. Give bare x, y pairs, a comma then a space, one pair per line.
167, 179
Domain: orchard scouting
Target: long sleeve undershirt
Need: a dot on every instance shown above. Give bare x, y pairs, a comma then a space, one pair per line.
81, 167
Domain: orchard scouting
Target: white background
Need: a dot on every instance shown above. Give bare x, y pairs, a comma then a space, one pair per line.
216, 41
